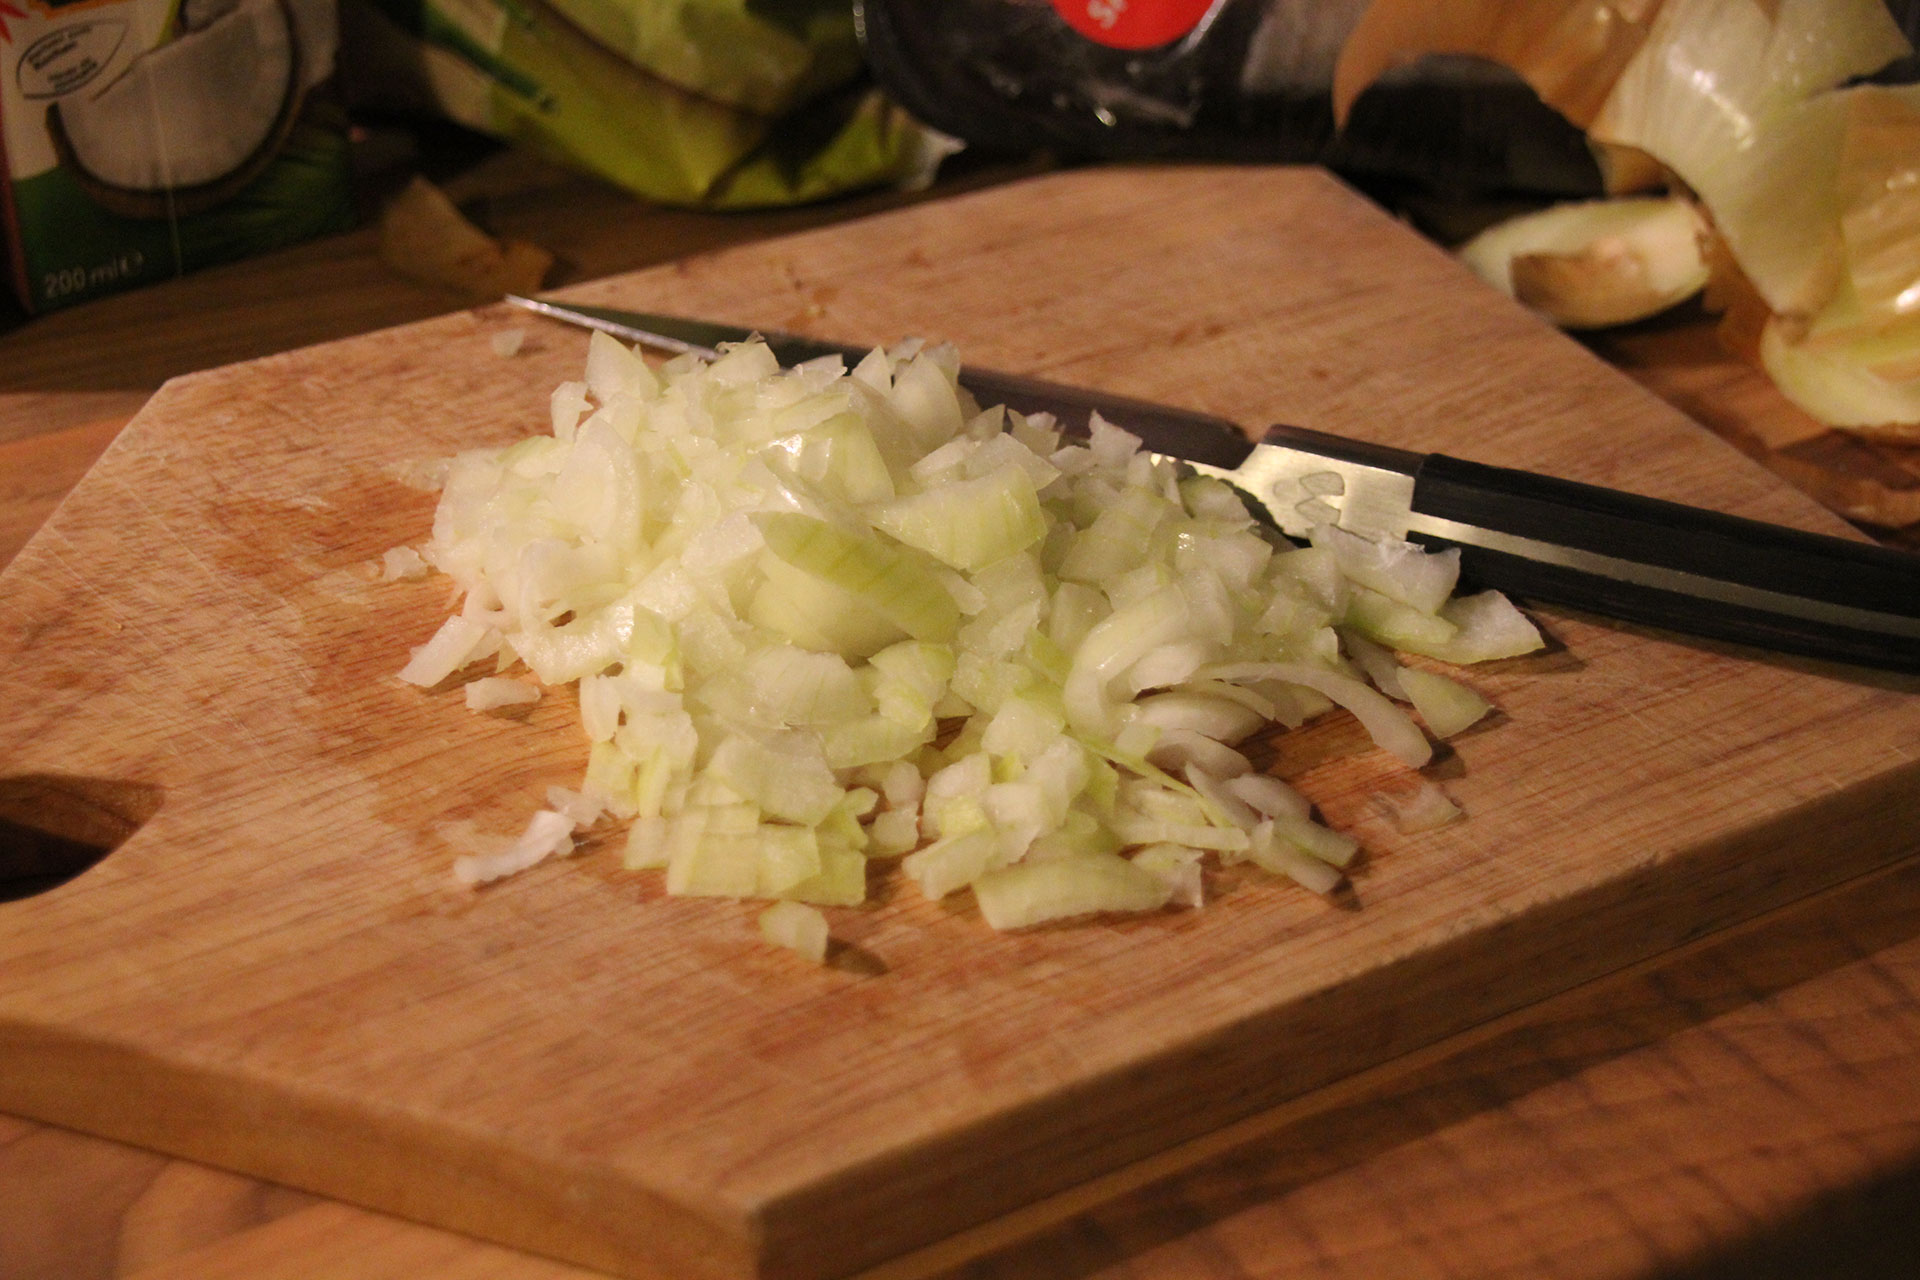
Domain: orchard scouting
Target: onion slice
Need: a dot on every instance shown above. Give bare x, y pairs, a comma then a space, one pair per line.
1595, 263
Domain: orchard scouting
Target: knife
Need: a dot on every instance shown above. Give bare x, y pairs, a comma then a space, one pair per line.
1616, 554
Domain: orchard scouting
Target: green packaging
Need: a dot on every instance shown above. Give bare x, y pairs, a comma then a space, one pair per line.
146, 138
707, 103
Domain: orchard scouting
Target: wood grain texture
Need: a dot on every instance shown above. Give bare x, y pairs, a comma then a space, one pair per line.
275, 974
82, 1206
37, 471
330, 1240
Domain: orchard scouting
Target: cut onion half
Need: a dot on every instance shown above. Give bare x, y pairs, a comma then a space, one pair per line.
1595, 263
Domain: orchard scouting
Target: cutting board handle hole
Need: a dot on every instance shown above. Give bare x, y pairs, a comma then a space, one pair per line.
54, 827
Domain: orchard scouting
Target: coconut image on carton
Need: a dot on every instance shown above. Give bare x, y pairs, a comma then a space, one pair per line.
144, 139
191, 121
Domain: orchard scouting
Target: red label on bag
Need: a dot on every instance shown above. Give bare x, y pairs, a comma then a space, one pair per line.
1133, 24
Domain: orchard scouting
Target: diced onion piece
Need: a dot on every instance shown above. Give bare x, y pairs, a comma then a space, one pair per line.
798, 928
615, 370
402, 563
1214, 790
1269, 795
1423, 808
881, 579
1397, 569
1377, 662
1486, 627
1115, 539
1140, 829
954, 861
1176, 749
1331, 847
646, 847
968, 524
1179, 868
577, 807
547, 833
787, 775
1271, 853
492, 692
1074, 885
895, 832
817, 614
458, 641
840, 882
566, 406
912, 682
1119, 641
1213, 714
1446, 705
1389, 622
1386, 724
926, 397
730, 853
1022, 728
799, 687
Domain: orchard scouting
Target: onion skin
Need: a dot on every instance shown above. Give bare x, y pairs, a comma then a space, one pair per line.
1626, 170
1855, 362
1569, 51
1832, 383
1588, 291
1880, 183
1812, 182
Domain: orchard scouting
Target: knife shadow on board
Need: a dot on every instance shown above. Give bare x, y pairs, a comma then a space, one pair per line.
1556, 658
53, 828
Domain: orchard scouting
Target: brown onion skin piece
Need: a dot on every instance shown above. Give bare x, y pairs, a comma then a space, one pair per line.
1589, 290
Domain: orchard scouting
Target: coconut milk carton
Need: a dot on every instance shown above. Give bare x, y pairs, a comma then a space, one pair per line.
145, 138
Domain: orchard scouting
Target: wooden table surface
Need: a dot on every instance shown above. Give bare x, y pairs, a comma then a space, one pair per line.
1746, 1106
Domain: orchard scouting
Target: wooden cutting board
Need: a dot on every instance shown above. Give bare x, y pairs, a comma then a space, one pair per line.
277, 973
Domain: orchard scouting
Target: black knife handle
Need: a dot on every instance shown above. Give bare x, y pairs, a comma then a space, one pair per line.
1766, 585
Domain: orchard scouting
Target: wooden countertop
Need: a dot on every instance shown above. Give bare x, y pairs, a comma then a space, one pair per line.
1749, 1105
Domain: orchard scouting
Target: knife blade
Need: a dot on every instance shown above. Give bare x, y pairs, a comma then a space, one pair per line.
1604, 551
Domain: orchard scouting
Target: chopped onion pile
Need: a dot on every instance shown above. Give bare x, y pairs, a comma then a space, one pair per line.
818, 618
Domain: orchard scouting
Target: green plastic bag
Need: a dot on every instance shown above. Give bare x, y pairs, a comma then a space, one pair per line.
712, 103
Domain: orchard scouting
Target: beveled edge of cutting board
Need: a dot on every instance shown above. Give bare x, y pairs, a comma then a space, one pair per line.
548, 1204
